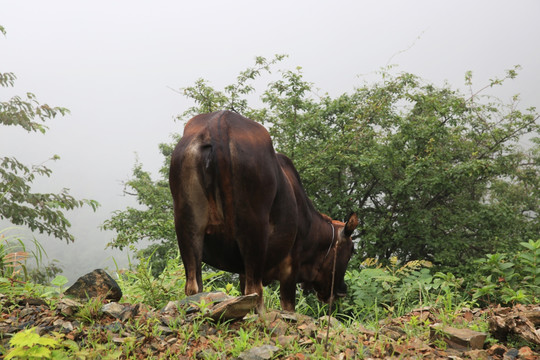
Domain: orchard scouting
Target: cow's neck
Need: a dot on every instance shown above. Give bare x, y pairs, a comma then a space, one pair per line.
322, 236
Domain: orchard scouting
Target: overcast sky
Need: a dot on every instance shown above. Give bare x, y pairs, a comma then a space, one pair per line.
113, 64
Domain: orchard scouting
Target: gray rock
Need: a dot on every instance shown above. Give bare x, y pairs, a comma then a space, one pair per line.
511, 354
335, 323
68, 307
461, 339
215, 305
63, 326
121, 312
235, 308
259, 353
170, 308
95, 284
113, 309
193, 303
165, 330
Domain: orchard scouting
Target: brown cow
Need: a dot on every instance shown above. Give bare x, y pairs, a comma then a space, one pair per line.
240, 207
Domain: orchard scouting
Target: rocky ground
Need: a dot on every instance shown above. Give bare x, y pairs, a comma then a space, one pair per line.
218, 326
103, 329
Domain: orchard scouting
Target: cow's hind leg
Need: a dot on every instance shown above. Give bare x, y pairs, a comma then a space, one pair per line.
190, 223
252, 243
190, 242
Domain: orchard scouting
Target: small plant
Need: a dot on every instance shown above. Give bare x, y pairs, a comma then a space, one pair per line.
13, 256
510, 278
140, 285
395, 288
243, 340
91, 311
27, 344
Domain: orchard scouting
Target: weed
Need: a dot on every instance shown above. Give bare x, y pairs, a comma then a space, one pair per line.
389, 290
90, 311
510, 279
242, 341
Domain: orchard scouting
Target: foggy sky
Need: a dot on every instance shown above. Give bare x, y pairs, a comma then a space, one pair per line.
113, 64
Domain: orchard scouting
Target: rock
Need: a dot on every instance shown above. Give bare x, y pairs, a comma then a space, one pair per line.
362, 330
27, 311
393, 332
477, 354
95, 284
32, 302
68, 306
259, 353
501, 326
278, 328
511, 354
465, 339
63, 326
269, 317
193, 303
206, 354
170, 308
286, 340
334, 323
497, 350
533, 315
526, 353
215, 305
165, 330
235, 308
289, 316
113, 309
308, 329
122, 312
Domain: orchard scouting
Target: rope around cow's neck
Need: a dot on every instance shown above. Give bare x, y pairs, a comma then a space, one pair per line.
331, 288
331, 242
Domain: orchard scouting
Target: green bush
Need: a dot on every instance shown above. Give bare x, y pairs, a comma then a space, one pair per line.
510, 278
398, 288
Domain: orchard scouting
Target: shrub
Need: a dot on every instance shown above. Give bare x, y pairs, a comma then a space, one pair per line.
510, 278
398, 288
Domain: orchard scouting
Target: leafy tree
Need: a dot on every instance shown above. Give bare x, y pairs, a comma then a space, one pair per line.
153, 221
43, 212
432, 172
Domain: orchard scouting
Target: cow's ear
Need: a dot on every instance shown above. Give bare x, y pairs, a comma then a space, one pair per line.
351, 224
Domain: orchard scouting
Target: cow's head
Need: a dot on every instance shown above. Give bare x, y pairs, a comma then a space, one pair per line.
344, 247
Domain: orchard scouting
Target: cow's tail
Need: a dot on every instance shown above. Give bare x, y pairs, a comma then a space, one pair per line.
218, 175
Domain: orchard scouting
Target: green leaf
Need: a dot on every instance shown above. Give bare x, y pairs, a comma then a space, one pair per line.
16, 353
27, 337
38, 352
505, 266
59, 281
